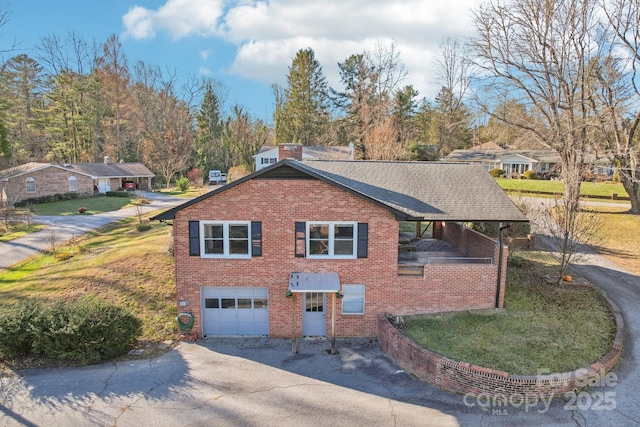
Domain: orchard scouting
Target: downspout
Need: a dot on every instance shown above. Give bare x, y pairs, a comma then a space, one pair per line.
500, 245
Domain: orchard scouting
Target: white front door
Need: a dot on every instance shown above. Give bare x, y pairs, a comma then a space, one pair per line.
104, 185
313, 314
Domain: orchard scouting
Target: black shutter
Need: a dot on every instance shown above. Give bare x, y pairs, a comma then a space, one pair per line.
256, 238
363, 239
301, 239
194, 238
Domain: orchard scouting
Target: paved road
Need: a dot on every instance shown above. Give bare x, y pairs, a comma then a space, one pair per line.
62, 228
259, 382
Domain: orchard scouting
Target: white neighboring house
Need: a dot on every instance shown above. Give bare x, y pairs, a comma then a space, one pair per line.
269, 155
513, 162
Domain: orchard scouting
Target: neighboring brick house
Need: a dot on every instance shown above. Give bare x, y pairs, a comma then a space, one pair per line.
44, 179
265, 255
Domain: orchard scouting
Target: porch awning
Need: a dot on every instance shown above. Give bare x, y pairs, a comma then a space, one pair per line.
314, 282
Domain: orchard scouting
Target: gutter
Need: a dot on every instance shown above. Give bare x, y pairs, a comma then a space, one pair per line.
500, 246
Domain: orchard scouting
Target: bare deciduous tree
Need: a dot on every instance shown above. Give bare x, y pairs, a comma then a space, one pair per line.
616, 94
539, 53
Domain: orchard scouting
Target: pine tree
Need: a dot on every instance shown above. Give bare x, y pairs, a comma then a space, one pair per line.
305, 116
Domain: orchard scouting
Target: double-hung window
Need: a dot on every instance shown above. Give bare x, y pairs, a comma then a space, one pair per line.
73, 184
229, 239
30, 184
331, 239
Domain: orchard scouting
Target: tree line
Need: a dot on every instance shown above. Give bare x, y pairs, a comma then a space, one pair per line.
556, 74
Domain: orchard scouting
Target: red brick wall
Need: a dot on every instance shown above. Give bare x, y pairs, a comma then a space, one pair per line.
472, 244
51, 180
461, 377
279, 204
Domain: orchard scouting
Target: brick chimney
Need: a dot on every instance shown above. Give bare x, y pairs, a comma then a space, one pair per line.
289, 151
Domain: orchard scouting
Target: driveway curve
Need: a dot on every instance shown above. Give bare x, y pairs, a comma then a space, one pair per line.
62, 228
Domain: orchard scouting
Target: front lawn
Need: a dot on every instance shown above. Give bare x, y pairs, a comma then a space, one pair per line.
94, 205
587, 189
116, 263
543, 326
617, 239
14, 231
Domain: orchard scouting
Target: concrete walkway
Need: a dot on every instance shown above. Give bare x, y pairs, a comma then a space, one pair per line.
62, 228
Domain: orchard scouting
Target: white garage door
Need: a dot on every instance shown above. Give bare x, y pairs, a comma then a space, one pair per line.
234, 311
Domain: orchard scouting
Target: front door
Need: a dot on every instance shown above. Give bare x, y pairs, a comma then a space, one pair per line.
104, 185
313, 314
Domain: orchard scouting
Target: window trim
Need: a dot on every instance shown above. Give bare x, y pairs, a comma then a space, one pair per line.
225, 239
331, 237
30, 180
346, 294
74, 180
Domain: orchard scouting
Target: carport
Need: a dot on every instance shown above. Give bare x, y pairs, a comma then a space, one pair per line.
313, 287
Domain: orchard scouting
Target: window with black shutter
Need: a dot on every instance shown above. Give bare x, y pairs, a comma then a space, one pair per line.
301, 239
194, 238
363, 239
256, 238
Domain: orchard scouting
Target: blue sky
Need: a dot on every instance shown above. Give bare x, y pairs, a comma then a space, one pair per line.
246, 44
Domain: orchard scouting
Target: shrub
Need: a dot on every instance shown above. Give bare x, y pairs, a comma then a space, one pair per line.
82, 210
496, 173
529, 174
17, 325
195, 177
182, 183
616, 176
588, 176
117, 194
144, 227
63, 256
85, 331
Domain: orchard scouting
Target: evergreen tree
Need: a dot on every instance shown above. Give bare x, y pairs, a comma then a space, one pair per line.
210, 149
305, 115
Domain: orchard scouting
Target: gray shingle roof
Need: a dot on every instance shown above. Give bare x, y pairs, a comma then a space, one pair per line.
22, 169
425, 190
96, 170
111, 170
430, 191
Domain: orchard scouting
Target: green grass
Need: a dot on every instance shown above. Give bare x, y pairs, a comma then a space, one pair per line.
190, 192
17, 230
117, 263
94, 205
605, 189
543, 326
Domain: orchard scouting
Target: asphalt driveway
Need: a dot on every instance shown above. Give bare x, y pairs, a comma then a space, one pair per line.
259, 382
62, 228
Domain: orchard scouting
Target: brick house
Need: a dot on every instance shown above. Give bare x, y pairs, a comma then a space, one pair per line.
44, 179
315, 248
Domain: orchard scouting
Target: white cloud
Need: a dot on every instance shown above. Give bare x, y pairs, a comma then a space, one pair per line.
267, 34
180, 18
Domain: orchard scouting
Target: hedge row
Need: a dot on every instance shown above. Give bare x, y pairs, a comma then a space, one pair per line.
86, 331
51, 198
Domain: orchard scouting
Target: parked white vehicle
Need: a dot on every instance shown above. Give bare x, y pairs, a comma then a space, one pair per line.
215, 177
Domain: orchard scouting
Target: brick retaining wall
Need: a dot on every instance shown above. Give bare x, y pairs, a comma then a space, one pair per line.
462, 377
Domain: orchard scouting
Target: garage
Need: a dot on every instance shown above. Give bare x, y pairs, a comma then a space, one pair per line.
234, 311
